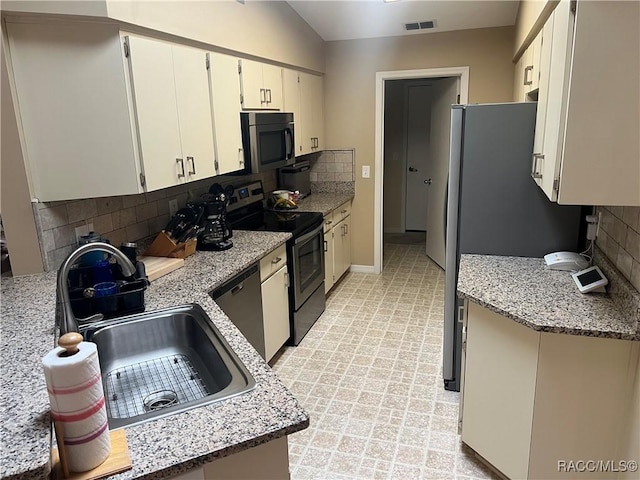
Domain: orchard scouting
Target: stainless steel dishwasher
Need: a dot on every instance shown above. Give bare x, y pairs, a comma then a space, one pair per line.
241, 299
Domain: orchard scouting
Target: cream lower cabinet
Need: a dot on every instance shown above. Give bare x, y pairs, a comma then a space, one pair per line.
275, 301
586, 145
533, 400
226, 107
170, 91
337, 239
267, 461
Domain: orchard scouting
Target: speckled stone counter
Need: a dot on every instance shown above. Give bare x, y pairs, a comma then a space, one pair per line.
163, 447
528, 292
324, 202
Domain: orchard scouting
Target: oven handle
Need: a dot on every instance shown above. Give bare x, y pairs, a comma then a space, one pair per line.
309, 235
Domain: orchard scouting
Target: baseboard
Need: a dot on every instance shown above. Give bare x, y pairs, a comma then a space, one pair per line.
362, 269
394, 230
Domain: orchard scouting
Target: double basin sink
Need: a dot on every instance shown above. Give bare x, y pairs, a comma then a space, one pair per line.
159, 363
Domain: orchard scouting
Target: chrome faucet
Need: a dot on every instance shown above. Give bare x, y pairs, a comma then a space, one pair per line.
65, 317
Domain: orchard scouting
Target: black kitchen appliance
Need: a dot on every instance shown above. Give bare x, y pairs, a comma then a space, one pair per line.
215, 233
305, 252
296, 178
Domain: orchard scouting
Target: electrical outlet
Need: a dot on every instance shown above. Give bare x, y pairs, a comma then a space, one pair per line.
173, 206
593, 226
366, 171
83, 230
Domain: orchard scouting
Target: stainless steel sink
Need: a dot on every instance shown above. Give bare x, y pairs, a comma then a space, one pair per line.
159, 363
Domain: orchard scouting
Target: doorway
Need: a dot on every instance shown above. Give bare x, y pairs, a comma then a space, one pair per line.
411, 137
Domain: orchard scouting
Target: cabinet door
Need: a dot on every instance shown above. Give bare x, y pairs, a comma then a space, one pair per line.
253, 92
275, 312
534, 56
226, 107
499, 389
317, 111
272, 83
338, 250
518, 78
543, 93
291, 103
328, 260
154, 97
306, 114
346, 244
194, 112
548, 163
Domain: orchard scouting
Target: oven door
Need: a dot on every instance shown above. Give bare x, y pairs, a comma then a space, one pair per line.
308, 264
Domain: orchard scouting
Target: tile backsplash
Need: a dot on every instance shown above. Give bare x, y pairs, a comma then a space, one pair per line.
129, 218
619, 239
333, 166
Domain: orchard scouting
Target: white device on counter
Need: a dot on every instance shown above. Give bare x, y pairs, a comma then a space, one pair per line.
568, 261
590, 279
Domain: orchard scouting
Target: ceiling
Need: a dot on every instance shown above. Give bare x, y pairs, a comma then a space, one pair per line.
347, 20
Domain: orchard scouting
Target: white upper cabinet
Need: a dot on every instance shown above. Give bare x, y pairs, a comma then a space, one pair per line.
311, 114
225, 104
291, 103
586, 147
170, 92
76, 129
261, 86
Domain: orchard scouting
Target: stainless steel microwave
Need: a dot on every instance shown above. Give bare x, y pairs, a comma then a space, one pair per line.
267, 139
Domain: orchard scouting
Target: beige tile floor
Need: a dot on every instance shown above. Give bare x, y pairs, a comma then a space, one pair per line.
369, 374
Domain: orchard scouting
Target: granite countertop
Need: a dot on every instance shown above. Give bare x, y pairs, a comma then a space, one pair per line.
324, 202
528, 292
166, 446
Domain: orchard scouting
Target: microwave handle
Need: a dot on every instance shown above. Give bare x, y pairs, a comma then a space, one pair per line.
289, 133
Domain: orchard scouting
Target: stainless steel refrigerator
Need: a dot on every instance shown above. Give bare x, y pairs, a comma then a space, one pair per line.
494, 206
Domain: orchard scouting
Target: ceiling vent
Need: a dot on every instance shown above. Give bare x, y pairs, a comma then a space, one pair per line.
427, 24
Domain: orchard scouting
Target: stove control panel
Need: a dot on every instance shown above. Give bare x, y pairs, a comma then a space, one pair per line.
245, 195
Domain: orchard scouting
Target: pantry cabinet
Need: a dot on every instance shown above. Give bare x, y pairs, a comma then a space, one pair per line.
261, 85
533, 398
275, 301
586, 148
337, 239
226, 107
170, 92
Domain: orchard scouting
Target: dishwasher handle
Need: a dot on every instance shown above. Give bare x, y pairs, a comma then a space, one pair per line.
237, 289
236, 284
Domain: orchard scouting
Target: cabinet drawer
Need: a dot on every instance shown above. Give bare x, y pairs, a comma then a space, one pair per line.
329, 221
342, 212
272, 262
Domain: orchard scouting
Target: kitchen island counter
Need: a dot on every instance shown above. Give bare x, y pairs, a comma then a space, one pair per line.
528, 292
163, 447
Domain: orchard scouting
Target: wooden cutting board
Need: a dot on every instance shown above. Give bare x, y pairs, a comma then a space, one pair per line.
156, 267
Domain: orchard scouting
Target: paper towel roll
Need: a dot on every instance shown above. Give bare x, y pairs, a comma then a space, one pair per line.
74, 384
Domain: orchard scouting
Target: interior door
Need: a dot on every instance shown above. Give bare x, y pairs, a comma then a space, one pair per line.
418, 139
444, 94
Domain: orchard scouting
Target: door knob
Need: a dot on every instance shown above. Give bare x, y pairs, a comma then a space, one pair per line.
427, 181
411, 169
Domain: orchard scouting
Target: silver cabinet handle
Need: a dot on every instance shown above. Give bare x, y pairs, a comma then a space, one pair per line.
535, 172
343, 211
181, 162
326, 246
346, 229
328, 222
528, 68
193, 165
276, 260
241, 155
263, 95
286, 280
268, 92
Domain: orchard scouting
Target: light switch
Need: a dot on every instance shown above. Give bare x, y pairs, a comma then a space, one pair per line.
366, 171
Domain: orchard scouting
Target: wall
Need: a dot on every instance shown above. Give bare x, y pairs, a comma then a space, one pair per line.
271, 30
126, 218
619, 239
528, 13
350, 95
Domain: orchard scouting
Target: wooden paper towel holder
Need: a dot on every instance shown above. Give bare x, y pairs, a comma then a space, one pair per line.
118, 461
